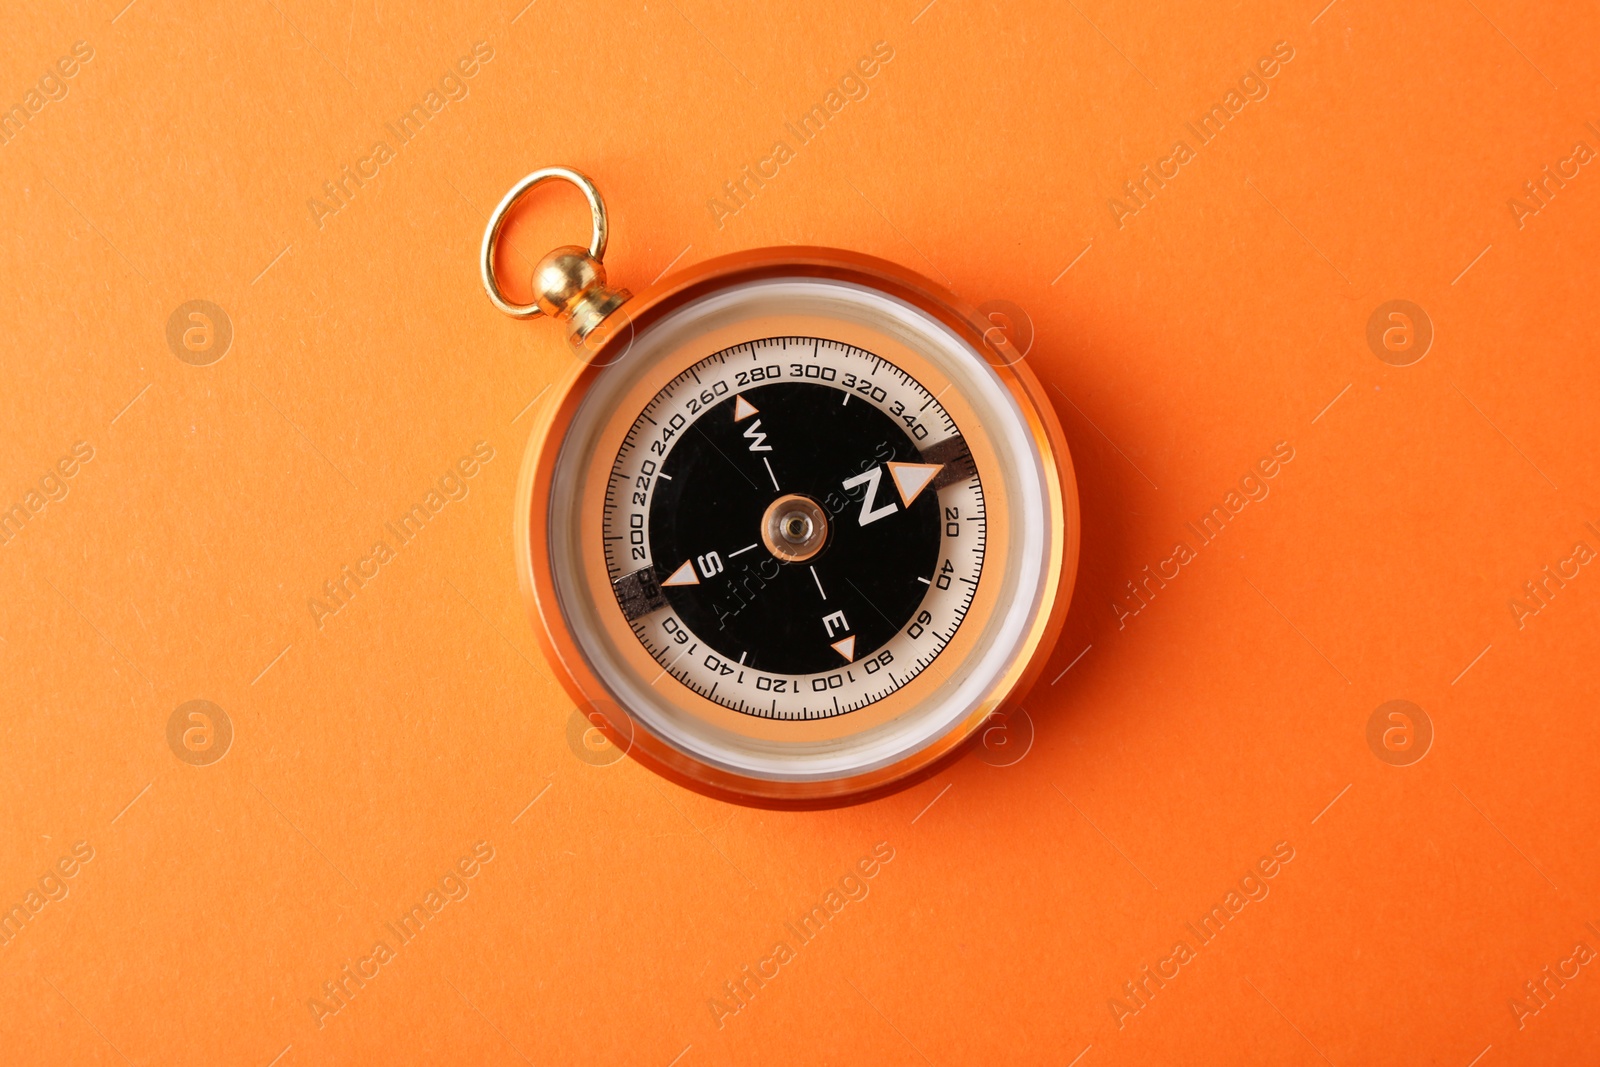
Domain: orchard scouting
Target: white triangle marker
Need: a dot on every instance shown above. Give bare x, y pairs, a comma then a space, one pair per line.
684, 575
743, 409
846, 648
912, 478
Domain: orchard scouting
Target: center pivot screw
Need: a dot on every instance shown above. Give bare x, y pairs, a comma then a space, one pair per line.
794, 528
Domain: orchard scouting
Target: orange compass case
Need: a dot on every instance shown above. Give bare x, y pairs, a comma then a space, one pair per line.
988, 724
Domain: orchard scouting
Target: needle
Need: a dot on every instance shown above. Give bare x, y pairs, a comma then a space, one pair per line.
814, 578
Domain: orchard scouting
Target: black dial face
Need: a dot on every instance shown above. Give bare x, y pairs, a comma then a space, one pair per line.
794, 528
723, 476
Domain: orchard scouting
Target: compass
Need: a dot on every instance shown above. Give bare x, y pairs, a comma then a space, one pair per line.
796, 526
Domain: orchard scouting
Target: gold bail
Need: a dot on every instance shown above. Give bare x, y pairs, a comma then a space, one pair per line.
569, 283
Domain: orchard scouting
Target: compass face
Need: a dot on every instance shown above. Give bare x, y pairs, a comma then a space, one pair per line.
795, 527
794, 537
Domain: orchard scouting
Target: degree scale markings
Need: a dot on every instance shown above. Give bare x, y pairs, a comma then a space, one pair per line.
939, 472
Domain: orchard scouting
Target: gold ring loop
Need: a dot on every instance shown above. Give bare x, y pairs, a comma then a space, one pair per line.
491, 234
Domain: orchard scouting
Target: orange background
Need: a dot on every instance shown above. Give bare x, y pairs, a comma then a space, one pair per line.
1230, 714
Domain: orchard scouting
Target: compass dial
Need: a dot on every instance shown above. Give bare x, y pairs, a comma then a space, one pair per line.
794, 527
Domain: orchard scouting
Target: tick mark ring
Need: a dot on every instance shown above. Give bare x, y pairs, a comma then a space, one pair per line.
794, 528
491, 233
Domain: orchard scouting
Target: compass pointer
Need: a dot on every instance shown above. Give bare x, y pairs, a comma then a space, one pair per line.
912, 478
684, 575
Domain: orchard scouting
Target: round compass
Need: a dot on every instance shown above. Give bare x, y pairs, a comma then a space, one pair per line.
796, 527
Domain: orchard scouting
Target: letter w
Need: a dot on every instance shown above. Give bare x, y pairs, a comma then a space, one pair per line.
758, 440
